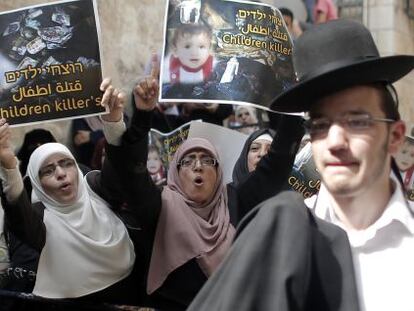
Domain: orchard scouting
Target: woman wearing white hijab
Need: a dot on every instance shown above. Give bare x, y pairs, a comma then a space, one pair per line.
85, 249
246, 117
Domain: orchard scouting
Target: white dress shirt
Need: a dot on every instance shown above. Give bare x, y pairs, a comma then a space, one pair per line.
383, 253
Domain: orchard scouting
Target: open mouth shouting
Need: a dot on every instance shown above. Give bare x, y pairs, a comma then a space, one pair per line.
198, 181
65, 187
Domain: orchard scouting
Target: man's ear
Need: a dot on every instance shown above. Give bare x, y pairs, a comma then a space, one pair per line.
397, 136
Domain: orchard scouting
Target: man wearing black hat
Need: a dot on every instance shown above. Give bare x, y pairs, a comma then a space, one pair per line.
355, 130
285, 259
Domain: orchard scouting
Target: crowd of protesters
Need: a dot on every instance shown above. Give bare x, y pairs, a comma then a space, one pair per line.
92, 225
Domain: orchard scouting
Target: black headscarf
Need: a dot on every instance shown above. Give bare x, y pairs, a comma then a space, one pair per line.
241, 170
32, 140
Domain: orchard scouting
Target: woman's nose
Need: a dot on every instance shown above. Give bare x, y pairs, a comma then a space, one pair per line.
197, 164
263, 151
60, 171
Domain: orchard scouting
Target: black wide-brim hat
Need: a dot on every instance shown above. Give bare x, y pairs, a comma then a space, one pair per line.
333, 56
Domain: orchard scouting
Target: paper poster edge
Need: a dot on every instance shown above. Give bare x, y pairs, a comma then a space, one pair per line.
39, 5
58, 119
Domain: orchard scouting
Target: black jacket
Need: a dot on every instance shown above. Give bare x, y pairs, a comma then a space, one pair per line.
284, 259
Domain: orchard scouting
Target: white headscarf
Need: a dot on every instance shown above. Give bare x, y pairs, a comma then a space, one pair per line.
253, 114
4, 252
87, 246
265, 137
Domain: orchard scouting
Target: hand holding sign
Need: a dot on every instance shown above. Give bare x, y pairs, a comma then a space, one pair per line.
147, 89
7, 156
114, 99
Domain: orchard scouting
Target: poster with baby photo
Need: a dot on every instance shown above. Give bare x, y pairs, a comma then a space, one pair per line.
50, 62
405, 162
161, 150
304, 177
230, 52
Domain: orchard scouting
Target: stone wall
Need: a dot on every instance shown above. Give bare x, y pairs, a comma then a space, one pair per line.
393, 32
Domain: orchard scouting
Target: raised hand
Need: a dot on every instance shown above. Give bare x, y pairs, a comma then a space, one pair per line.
114, 99
147, 89
7, 156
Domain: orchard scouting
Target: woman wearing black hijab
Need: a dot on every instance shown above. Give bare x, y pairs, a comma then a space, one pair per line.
266, 172
32, 140
242, 167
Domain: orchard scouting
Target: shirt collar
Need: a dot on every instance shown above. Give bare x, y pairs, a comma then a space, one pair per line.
398, 209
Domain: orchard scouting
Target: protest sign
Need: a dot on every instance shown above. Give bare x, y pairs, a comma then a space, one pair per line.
161, 150
225, 52
304, 177
405, 162
51, 67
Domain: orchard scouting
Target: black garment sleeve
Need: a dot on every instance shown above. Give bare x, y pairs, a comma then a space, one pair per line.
25, 220
130, 162
273, 169
107, 183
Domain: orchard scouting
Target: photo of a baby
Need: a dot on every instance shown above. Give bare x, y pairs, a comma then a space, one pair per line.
190, 60
155, 166
218, 52
405, 162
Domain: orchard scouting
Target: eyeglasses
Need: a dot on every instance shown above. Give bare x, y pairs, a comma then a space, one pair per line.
354, 122
49, 170
190, 161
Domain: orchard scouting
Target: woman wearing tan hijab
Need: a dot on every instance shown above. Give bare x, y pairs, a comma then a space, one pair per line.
187, 227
